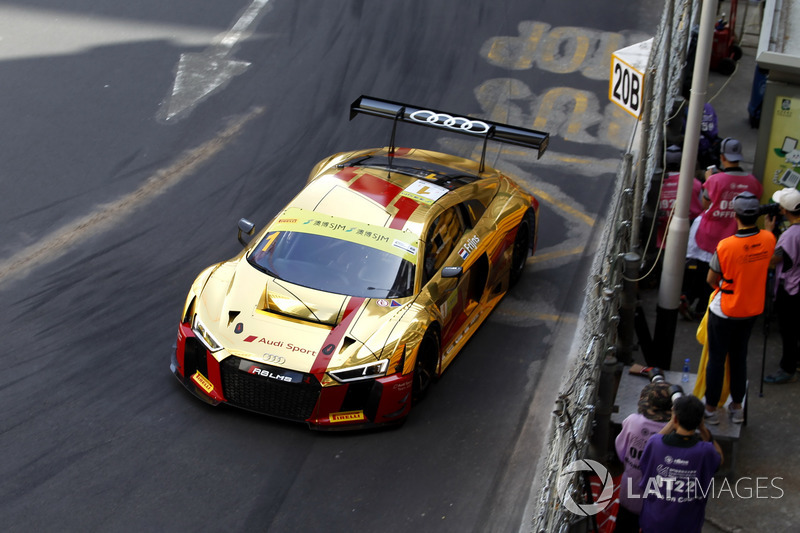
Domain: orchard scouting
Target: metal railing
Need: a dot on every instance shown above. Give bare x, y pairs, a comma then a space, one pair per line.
573, 418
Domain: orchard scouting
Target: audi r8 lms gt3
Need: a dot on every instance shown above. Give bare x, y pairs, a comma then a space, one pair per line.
343, 310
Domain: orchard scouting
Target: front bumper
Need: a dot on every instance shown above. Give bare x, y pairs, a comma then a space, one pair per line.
295, 396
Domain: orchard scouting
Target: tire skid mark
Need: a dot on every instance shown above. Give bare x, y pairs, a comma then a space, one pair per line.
101, 219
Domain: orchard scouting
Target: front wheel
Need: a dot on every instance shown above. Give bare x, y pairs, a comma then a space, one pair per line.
519, 254
425, 365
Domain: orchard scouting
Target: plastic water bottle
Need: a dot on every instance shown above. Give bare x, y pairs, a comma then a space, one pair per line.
685, 375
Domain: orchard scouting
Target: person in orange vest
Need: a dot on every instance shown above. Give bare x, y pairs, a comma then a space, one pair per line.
738, 272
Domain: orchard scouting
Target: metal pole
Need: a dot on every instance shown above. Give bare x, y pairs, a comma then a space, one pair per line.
638, 183
626, 339
669, 292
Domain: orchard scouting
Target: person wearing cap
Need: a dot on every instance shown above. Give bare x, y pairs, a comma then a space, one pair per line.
786, 261
654, 411
669, 192
738, 273
694, 282
719, 189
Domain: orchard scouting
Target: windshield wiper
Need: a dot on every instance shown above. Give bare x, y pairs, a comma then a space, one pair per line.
390, 293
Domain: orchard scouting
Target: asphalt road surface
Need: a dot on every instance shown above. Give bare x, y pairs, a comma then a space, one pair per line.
136, 134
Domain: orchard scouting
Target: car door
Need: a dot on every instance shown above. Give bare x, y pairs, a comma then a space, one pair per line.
448, 243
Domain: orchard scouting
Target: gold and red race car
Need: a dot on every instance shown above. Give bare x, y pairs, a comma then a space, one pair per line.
359, 294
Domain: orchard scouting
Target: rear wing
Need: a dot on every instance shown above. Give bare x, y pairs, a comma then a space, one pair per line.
485, 129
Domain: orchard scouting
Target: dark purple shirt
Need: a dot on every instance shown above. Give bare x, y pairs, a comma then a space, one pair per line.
677, 474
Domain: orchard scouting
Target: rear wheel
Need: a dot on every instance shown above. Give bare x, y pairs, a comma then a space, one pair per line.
519, 255
425, 365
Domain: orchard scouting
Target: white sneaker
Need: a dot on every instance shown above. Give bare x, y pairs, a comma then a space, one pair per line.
737, 415
711, 417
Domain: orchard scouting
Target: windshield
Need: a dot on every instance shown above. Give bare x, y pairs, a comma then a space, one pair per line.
333, 265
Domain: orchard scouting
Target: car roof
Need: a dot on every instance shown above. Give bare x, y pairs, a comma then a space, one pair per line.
397, 192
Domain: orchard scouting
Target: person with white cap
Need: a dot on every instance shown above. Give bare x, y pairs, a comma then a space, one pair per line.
738, 272
786, 261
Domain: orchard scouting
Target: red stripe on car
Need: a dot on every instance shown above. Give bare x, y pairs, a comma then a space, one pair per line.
384, 193
405, 207
346, 174
375, 188
328, 348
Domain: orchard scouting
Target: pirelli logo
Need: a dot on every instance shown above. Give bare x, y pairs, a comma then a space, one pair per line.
348, 416
201, 381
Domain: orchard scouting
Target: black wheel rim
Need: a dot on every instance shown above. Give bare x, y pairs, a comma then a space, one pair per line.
520, 252
423, 369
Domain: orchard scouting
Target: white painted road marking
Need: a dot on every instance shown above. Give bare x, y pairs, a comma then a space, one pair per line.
106, 216
199, 75
30, 32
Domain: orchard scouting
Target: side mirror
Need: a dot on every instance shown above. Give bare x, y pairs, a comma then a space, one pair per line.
246, 227
452, 272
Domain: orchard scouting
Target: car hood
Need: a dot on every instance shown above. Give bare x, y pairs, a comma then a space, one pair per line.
257, 317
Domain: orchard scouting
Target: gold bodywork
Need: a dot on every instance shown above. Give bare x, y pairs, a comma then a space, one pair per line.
437, 223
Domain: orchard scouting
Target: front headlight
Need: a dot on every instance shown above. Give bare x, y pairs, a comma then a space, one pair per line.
360, 372
205, 336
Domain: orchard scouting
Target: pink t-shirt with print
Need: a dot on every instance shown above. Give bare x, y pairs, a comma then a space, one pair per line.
718, 220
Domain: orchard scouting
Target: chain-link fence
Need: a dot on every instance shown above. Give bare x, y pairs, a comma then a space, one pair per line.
575, 412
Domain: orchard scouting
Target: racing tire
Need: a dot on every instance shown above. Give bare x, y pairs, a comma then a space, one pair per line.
519, 252
425, 365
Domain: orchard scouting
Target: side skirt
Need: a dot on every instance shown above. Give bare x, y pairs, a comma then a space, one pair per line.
480, 313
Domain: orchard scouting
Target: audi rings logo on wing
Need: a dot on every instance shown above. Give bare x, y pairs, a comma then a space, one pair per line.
425, 116
565, 487
270, 358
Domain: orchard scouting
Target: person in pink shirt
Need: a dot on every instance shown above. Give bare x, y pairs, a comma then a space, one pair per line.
719, 190
669, 192
654, 411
